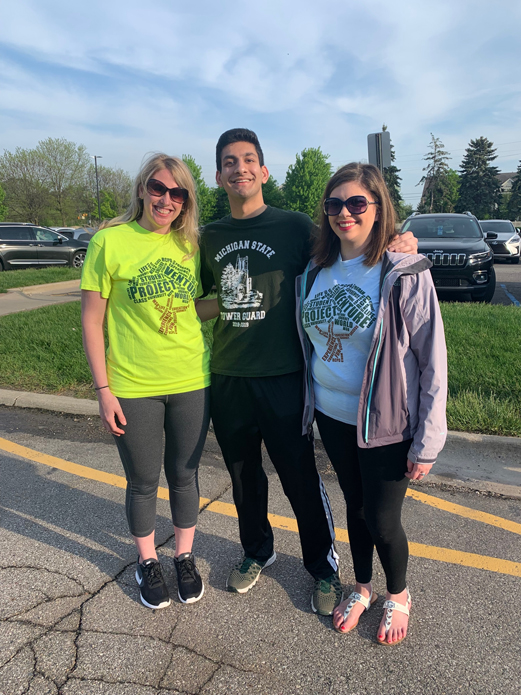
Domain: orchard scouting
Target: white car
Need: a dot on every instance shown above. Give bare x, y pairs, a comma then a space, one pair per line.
503, 238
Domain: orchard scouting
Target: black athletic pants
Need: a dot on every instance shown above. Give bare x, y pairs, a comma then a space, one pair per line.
374, 484
245, 411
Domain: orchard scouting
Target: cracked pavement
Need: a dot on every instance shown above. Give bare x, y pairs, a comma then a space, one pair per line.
71, 622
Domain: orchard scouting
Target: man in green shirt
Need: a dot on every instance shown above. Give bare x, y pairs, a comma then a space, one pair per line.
253, 257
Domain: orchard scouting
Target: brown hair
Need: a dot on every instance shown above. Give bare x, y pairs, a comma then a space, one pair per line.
326, 246
186, 224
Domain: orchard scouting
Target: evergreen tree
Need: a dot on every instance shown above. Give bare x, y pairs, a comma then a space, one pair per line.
306, 181
272, 194
514, 202
435, 180
205, 195
480, 190
393, 184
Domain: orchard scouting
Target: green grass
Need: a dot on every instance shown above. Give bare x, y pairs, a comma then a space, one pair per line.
484, 356
34, 276
41, 351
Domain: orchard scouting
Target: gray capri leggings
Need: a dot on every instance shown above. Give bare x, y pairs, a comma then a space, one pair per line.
184, 419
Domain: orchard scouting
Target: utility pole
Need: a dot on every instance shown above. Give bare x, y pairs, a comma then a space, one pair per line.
95, 157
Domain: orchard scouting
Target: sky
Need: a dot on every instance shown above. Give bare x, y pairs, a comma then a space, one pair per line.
129, 78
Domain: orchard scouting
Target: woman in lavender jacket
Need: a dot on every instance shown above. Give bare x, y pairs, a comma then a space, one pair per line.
376, 381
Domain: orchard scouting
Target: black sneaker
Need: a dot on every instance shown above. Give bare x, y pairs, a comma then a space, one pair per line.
152, 587
190, 586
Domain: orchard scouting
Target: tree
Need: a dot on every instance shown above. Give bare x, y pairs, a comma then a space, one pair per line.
24, 179
65, 166
306, 180
222, 204
393, 183
480, 190
514, 201
3, 208
435, 184
273, 194
114, 184
205, 196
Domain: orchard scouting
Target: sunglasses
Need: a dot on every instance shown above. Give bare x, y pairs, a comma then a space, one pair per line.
156, 188
356, 205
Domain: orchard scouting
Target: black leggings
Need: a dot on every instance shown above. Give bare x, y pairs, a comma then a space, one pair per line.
374, 486
184, 419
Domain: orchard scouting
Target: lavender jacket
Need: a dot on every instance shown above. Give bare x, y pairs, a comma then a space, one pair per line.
404, 389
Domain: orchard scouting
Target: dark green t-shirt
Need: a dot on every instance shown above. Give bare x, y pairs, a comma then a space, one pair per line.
254, 263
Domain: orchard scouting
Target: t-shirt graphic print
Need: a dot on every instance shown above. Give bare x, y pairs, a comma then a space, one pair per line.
339, 315
345, 306
164, 278
236, 286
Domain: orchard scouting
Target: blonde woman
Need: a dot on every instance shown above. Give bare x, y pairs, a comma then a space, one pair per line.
141, 275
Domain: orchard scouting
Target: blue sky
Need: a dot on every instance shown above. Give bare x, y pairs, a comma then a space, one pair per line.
126, 80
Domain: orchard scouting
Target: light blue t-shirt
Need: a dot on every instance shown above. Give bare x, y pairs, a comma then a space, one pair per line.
339, 316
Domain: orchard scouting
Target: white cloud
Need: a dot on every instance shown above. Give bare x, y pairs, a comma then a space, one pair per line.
301, 73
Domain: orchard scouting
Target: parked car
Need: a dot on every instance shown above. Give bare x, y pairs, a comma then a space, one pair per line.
503, 238
32, 246
462, 262
75, 233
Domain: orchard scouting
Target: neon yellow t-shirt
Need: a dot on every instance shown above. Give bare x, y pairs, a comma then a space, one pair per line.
156, 345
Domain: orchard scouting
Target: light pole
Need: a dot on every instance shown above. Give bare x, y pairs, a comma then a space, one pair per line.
95, 157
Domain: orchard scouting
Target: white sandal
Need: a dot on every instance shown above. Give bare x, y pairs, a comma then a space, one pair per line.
389, 607
353, 598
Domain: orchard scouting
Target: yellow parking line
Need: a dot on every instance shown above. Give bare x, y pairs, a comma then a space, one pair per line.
429, 552
467, 512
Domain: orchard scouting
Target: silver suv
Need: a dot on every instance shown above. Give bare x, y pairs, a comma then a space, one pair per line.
503, 238
31, 246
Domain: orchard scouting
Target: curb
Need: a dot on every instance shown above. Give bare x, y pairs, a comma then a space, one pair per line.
46, 401
46, 288
476, 462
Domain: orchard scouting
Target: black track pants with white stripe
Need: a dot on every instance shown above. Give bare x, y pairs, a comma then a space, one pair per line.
246, 411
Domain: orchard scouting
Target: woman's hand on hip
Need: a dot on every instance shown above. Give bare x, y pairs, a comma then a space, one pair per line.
110, 412
417, 471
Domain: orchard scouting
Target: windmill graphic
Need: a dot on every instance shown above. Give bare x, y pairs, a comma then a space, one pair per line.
169, 316
334, 352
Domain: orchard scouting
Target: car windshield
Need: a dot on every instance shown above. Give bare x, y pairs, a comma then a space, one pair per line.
496, 226
443, 227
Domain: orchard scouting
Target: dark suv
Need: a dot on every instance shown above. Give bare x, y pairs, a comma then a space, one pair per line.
31, 246
462, 262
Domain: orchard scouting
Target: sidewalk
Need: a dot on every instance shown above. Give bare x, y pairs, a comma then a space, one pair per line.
472, 461
36, 296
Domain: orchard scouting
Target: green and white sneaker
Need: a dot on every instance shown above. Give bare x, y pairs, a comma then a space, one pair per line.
246, 573
327, 594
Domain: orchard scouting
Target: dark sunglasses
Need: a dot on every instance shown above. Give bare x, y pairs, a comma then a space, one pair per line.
356, 205
177, 195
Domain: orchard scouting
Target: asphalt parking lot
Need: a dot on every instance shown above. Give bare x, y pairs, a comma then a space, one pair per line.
72, 623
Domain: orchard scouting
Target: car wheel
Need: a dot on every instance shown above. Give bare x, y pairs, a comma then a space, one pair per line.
515, 261
489, 292
78, 259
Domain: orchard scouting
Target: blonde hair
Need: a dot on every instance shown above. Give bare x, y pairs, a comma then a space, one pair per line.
186, 225
326, 246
